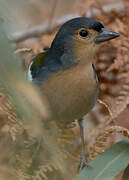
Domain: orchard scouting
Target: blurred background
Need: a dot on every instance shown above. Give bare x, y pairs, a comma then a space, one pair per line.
30, 26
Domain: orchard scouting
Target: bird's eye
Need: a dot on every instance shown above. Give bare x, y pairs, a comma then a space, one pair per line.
83, 33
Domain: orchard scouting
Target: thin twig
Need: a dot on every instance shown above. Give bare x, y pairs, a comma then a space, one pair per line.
107, 107
23, 50
52, 13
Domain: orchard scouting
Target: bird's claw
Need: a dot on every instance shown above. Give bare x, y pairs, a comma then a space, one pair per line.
83, 162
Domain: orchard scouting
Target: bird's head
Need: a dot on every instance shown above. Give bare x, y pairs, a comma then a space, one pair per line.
82, 37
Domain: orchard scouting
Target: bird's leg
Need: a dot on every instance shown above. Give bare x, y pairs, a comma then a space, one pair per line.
83, 159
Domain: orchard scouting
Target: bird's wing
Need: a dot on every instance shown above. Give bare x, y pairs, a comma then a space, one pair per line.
95, 75
97, 83
37, 64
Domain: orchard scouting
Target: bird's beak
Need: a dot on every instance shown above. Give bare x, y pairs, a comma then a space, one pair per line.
106, 35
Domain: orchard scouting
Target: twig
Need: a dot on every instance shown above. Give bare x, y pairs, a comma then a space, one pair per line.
107, 107
52, 14
23, 50
38, 30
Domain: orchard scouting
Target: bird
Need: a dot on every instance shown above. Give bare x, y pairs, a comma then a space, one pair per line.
65, 73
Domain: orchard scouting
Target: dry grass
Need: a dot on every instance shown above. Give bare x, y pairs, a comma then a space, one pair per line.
55, 151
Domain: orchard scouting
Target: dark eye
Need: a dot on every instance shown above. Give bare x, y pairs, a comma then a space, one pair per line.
83, 33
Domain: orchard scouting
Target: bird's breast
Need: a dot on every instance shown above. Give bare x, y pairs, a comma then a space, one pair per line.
71, 93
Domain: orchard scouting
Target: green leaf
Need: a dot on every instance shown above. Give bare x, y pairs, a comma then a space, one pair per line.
108, 164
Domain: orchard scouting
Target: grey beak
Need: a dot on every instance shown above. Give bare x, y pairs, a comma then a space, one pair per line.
106, 35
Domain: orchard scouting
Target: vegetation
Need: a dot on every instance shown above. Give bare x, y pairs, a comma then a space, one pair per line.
35, 149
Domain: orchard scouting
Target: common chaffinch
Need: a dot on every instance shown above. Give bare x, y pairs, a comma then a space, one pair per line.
65, 73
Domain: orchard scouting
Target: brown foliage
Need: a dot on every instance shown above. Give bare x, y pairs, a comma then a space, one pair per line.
112, 66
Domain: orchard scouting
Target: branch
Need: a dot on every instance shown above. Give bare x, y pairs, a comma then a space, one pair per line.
39, 30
